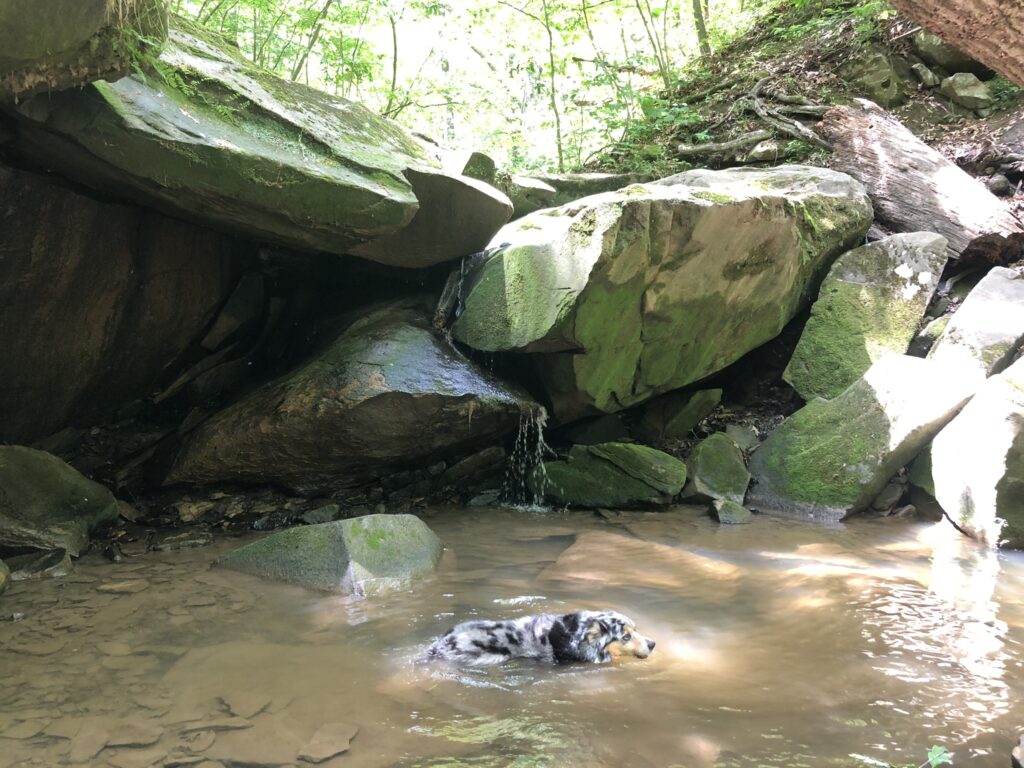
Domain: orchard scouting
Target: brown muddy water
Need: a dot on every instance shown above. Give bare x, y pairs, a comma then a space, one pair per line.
779, 644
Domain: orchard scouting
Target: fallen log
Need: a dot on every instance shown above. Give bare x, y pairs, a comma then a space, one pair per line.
914, 188
700, 150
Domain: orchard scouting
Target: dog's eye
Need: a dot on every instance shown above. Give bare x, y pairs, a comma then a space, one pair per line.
626, 637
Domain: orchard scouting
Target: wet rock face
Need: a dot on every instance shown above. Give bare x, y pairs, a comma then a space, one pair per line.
977, 462
45, 504
386, 393
221, 141
364, 555
95, 301
833, 457
633, 293
870, 305
611, 475
73, 42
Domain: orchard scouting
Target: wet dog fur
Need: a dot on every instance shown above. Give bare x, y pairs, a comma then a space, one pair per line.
585, 636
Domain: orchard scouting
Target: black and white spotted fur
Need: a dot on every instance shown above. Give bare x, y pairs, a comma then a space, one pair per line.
584, 636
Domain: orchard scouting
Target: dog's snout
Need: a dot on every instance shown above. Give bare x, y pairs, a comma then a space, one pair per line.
650, 645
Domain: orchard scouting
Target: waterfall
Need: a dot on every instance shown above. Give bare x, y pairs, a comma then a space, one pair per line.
526, 462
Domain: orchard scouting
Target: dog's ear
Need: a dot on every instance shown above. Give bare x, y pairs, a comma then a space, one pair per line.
598, 628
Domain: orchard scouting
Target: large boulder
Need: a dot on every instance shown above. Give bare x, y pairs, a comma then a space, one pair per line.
611, 475
45, 504
362, 555
386, 393
531, 193
977, 462
717, 470
208, 135
50, 45
936, 51
965, 89
633, 293
870, 305
833, 457
984, 334
673, 416
96, 301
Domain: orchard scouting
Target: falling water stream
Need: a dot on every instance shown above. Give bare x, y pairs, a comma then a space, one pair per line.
779, 644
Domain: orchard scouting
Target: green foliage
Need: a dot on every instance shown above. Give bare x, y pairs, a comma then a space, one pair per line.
1003, 91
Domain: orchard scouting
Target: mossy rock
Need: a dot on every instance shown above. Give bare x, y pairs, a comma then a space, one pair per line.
385, 394
46, 504
203, 133
673, 416
5, 577
870, 305
611, 475
717, 470
370, 555
833, 457
74, 42
731, 513
630, 294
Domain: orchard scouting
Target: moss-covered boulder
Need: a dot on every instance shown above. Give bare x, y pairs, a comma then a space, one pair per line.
638, 292
531, 193
363, 555
984, 334
870, 305
833, 457
207, 135
611, 475
717, 470
731, 513
46, 504
967, 90
673, 416
386, 393
977, 462
50, 45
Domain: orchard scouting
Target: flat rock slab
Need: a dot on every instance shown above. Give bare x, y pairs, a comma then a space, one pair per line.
329, 740
46, 504
214, 138
630, 294
833, 457
870, 305
363, 555
386, 392
983, 335
611, 475
977, 462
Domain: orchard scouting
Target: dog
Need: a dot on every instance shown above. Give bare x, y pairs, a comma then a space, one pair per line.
585, 636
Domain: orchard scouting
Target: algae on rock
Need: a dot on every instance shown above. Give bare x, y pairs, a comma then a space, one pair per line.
638, 292
870, 305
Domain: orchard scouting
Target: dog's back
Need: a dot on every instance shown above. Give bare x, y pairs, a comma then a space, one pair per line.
479, 643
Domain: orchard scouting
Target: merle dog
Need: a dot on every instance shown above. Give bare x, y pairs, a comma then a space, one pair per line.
587, 636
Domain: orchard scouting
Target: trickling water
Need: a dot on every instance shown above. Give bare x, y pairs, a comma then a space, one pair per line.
525, 476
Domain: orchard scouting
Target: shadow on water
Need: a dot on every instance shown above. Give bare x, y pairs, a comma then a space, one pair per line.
778, 645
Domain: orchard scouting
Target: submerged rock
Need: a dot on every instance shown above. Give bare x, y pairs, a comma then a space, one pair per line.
833, 457
73, 42
611, 475
983, 336
732, 513
210, 136
634, 293
977, 462
717, 470
870, 305
364, 555
387, 392
45, 504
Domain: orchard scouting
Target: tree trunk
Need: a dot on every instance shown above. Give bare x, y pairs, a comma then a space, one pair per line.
914, 188
554, 87
991, 31
702, 29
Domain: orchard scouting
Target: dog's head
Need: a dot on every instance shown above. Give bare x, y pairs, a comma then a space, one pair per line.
613, 634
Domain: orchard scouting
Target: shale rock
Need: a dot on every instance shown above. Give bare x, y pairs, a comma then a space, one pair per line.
870, 305
833, 457
634, 293
50, 45
717, 470
983, 335
45, 504
214, 138
977, 462
363, 555
611, 475
385, 393
96, 301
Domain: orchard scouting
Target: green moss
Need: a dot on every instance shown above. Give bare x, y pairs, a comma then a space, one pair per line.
712, 197
717, 469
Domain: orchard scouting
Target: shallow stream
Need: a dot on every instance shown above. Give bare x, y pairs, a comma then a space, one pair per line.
779, 644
